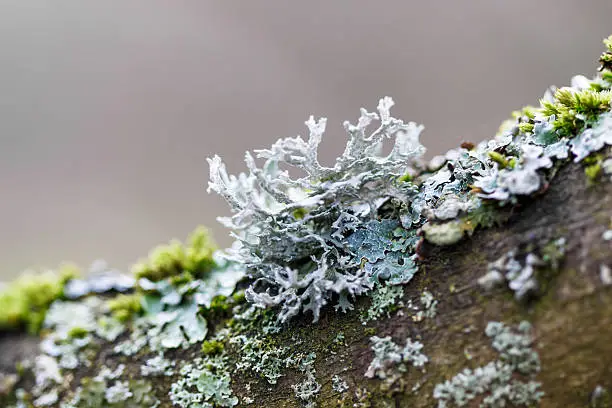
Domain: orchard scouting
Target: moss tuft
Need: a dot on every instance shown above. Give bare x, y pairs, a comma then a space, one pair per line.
195, 257
575, 109
212, 347
77, 332
25, 301
606, 57
124, 307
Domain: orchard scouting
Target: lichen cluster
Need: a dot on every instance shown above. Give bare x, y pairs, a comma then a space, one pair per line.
390, 359
527, 277
507, 381
205, 328
305, 240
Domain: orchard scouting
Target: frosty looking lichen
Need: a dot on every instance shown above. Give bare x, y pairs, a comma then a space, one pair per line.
333, 232
293, 233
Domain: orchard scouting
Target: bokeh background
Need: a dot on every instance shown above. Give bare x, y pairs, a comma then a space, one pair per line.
109, 109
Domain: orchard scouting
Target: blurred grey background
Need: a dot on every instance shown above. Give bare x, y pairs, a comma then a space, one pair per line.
108, 109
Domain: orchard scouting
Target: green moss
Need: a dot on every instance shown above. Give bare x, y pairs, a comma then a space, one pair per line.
220, 303
220, 307
606, 57
195, 257
212, 347
238, 297
77, 332
575, 109
593, 172
406, 178
299, 213
24, 303
124, 307
487, 215
370, 331
499, 159
594, 169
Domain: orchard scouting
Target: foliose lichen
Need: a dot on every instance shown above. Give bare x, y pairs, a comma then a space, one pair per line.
204, 383
384, 300
292, 234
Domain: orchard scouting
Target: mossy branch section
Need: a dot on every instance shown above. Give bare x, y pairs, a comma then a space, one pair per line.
572, 322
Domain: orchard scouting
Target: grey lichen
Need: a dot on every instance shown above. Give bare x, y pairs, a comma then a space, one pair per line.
157, 366
292, 233
307, 390
429, 307
110, 389
390, 359
338, 384
524, 274
203, 383
507, 381
261, 358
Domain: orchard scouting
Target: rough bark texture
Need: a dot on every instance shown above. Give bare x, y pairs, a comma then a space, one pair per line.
572, 322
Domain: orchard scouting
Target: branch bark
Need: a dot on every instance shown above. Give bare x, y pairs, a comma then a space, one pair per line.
572, 321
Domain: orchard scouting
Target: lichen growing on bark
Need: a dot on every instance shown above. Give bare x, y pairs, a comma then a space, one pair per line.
219, 328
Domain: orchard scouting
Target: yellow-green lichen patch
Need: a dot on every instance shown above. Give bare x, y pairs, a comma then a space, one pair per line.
195, 257
25, 301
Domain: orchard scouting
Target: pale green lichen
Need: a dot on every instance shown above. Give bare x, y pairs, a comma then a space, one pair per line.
443, 234
261, 357
339, 385
307, 390
429, 307
204, 383
384, 300
65, 318
109, 389
158, 366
